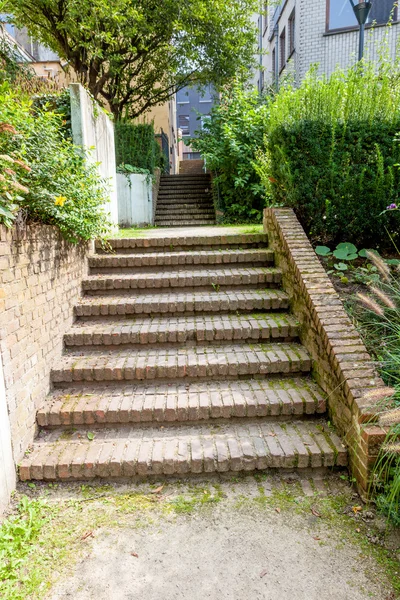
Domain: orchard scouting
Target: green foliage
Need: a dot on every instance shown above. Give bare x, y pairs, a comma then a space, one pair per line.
343, 251
332, 155
60, 103
17, 534
135, 55
137, 148
229, 144
46, 178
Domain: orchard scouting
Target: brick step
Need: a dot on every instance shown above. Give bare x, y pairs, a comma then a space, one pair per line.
185, 181
190, 222
131, 451
191, 208
185, 242
254, 256
209, 279
181, 403
193, 223
182, 303
179, 330
193, 190
178, 204
184, 363
184, 214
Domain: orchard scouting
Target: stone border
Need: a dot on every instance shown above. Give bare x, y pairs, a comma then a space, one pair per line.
341, 364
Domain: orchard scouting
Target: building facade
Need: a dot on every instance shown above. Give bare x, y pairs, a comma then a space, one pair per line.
297, 34
192, 110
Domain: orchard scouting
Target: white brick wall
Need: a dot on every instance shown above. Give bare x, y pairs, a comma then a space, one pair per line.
313, 45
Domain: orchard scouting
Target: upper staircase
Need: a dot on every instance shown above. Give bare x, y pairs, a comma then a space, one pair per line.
184, 200
184, 358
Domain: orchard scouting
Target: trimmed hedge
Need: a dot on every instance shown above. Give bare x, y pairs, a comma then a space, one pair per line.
338, 178
332, 154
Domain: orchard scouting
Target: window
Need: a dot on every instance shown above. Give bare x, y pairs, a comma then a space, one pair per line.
204, 120
341, 15
184, 124
274, 63
292, 30
206, 96
182, 97
282, 49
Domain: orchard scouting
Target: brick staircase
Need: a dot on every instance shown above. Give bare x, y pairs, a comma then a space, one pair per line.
183, 359
184, 200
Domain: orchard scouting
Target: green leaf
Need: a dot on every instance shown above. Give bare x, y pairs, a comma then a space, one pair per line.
341, 253
363, 253
393, 261
90, 436
341, 267
352, 256
323, 250
347, 246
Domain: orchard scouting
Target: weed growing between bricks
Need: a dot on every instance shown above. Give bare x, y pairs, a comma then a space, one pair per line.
60, 522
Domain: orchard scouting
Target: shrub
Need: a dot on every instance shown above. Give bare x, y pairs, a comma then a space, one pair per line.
135, 145
331, 153
44, 177
229, 144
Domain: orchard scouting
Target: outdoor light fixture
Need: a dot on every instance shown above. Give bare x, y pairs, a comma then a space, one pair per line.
361, 10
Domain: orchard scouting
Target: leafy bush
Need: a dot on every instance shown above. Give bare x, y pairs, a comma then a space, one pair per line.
332, 155
44, 177
229, 144
135, 145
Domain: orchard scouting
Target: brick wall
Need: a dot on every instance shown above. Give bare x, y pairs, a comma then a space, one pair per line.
315, 46
40, 280
341, 364
191, 167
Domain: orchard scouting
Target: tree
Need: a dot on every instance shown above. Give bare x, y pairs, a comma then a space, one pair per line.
134, 54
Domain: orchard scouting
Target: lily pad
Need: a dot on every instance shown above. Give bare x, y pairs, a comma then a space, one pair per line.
323, 250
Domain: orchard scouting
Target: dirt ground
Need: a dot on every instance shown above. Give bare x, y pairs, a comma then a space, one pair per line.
249, 539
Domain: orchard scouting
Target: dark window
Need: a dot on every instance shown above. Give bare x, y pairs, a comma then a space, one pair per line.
182, 97
206, 95
292, 30
341, 14
282, 49
274, 63
183, 124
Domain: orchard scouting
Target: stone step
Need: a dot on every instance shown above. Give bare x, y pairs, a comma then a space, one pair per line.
206, 278
186, 242
131, 451
182, 303
254, 256
180, 402
185, 181
184, 363
180, 330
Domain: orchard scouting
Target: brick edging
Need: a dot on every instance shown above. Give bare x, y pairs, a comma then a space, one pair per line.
341, 364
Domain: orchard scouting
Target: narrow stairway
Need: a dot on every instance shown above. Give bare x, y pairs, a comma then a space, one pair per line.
184, 200
184, 358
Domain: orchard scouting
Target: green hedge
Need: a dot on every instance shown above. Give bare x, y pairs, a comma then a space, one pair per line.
332, 155
135, 145
338, 179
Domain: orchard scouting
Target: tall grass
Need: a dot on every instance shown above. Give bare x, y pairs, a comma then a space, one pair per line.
380, 324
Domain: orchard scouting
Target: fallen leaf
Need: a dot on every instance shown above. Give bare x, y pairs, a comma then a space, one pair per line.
278, 510
358, 530
86, 535
272, 434
356, 509
135, 554
90, 436
263, 573
317, 538
158, 490
315, 512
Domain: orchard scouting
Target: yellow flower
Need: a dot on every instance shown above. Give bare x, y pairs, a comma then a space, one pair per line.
60, 201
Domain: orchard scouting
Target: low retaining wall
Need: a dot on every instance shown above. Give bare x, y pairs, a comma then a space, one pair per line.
341, 363
40, 281
137, 199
